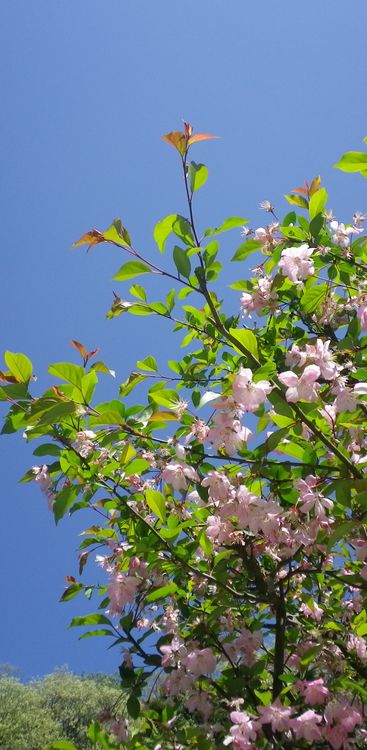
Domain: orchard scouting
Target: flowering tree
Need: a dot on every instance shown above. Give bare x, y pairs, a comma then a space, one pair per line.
229, 508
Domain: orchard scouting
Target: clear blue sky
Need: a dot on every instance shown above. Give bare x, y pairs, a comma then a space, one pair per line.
87, 88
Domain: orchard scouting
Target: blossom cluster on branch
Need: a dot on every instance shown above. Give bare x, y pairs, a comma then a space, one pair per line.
229, 508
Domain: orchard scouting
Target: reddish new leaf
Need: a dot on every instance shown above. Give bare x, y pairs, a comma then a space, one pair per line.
94, 237
80, 348
200, 137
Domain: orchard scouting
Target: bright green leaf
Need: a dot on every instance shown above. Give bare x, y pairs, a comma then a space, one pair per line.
182, 261
198, 175
353, 161
148, 363
163, 229
247, 339
317, 202
130, 269
19, 365
156, 502
231, 223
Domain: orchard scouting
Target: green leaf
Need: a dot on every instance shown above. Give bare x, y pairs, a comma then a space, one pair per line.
341, 531
19, 365
71, 591
231, 223
205, 542
247, 339
63, 501
182, 228
117, 233
353, 161
92, 633
297, 200
167, 397
163, 229
62, 745
246, 249
316, 225
293, 233
89, 382
317, 202
93, 619
138, 291
69, 372
182, 261
133, 706
198, 175
312, 297
138, 466
101, 367
207, 397
156, 502
130, 269
148, 363
310, 655
170, 300
163, 591
47, 449
99, 737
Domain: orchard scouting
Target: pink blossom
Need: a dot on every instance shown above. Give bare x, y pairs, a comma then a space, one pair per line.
218, 485
261, 296
341, 719
200, 661
119, 729
324, 358
201, 703
247, 394
304, 388
199, 430
295, 357
217, 530
276, 715
173, 652
242, 732
83, 443
227, 433
247, 643
315, 691
43, 479
312, 610
341, 235
362, 315
358, 644
178, 475
305, 726
311, 500
121, 591
178, 681
296, 263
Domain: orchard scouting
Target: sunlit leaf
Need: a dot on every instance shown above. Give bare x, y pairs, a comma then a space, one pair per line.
94, 237
232, 223
163, 229
156, 502
198, 175
353, 161
19, 365
130, 269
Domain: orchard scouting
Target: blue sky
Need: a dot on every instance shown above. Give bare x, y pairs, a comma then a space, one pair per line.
87, 89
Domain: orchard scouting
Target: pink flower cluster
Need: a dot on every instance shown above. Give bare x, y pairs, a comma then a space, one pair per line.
261, 297
334, 726
44, 481
179, 474
296, 263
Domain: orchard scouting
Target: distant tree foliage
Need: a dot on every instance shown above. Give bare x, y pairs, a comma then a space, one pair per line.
59, 706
